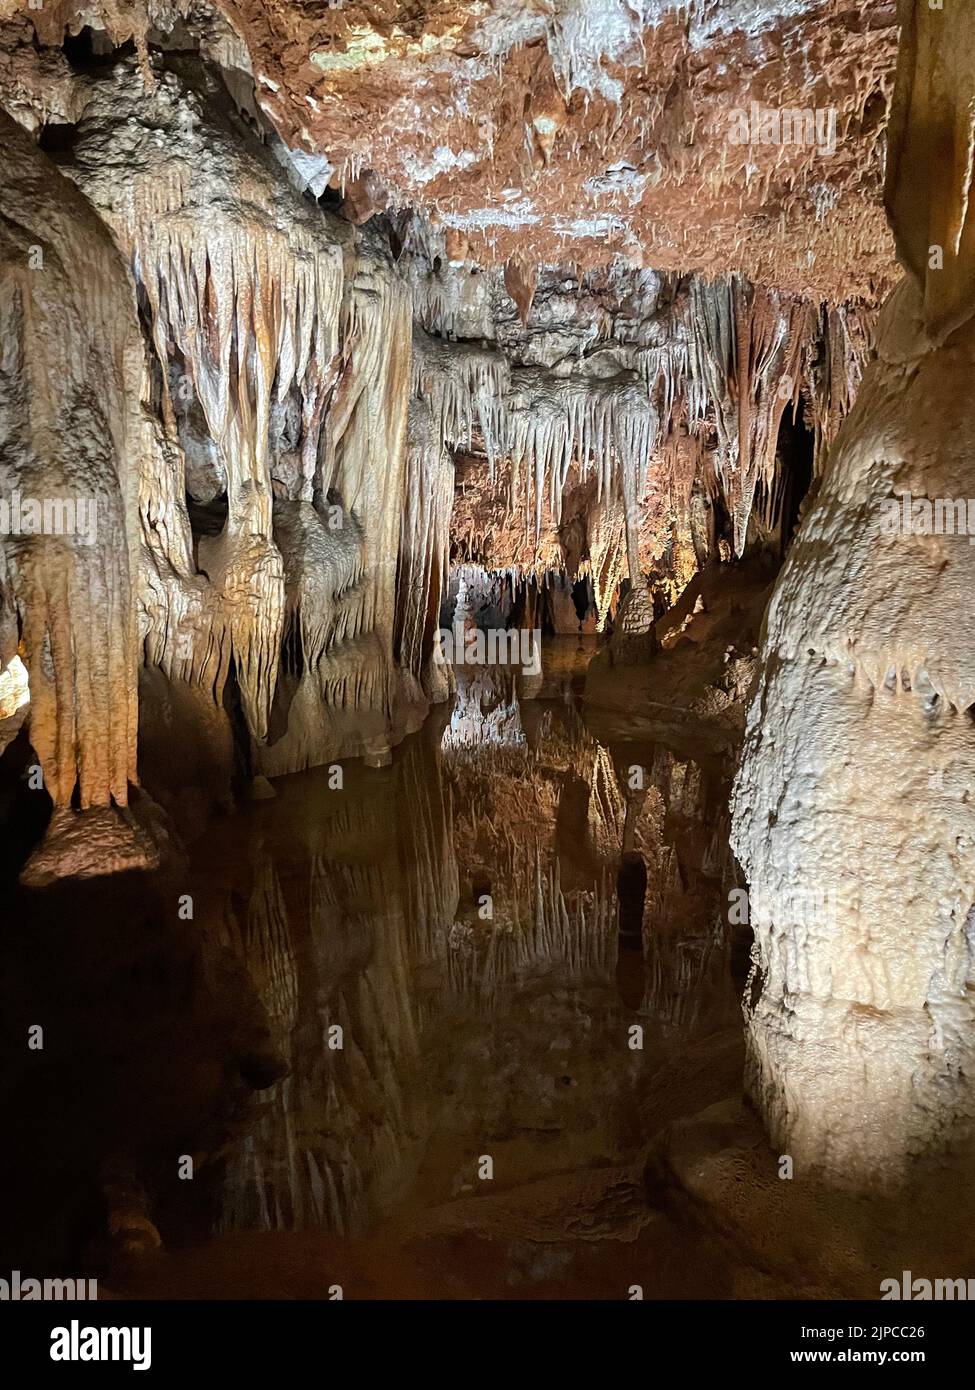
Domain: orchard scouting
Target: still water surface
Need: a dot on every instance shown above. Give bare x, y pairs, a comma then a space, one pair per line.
475, 1061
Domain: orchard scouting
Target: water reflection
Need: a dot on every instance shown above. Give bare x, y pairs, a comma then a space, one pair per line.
409, 1050
456, 916
434, 954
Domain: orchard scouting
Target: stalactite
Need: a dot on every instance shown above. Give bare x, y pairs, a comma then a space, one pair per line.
847, 338
363, 461
247, 305
696, 392
607, 554
607, 426
261, 313
323, 572
752, 345
281, 339
424, 542
543, 422
465, 387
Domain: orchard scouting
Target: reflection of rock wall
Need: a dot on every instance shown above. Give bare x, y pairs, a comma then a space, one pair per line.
460, 1030
261, 939
338, 1141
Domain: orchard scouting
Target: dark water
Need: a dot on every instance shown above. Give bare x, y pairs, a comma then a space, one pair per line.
475, 1059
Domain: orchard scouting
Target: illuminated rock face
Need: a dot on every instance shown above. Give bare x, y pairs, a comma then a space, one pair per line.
274, 380
852, 811
284, 349
297, 396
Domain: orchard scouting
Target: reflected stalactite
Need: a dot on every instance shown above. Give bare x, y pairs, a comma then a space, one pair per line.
542, 930
446, 921
686, 980
262, 941
424, 548
338, 1142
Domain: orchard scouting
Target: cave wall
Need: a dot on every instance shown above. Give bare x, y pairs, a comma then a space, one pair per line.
250, 452
852, 815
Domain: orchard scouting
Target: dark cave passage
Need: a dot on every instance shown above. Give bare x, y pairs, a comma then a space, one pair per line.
797, 446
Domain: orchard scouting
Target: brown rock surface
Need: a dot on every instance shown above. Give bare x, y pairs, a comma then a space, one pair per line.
582, 129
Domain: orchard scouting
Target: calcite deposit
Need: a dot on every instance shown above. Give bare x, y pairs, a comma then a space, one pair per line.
71, 397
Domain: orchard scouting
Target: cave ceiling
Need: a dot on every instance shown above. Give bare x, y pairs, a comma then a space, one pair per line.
572, 132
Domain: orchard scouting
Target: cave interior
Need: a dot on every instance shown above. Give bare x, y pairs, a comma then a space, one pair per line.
487, 771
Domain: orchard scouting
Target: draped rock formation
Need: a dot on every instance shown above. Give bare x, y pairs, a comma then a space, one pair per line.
71, 393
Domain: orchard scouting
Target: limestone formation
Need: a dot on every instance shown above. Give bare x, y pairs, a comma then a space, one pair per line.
71, 396
851, 810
